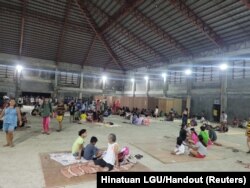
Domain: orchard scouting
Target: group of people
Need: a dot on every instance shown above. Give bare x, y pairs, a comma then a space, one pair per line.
107, 160
196, 143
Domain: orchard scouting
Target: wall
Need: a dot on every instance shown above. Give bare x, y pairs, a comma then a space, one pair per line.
203, 89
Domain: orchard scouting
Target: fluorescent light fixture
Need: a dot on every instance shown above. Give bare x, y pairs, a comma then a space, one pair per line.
188, 72
223, 66
164, 75
104, 78
19, 68
132, 80
146, 78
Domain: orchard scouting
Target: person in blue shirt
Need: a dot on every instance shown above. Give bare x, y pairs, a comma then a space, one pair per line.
91, 152
11, 115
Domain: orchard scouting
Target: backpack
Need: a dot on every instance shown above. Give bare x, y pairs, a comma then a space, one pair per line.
123, 153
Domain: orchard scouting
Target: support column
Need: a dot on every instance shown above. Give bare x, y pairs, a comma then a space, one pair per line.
223, 94
147, 87
56, 84
165, 87
189, 88
81, 85
133, 88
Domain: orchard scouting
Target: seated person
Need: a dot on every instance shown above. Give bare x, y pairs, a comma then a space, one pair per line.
235, 122
35, 112
95, 117
212, 135
110, 158
180, 148
106, 113
78, 146
199, 150
135, 119
146, 121
140, 120
90, 151
183, 133
169, 117
100, 117
193, 137
77, 115
204, 135
83, 117
193, 122
90, 116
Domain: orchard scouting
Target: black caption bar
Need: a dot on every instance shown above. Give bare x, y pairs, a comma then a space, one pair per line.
214, 179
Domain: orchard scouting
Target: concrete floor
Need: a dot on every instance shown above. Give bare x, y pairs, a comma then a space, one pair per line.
21, 167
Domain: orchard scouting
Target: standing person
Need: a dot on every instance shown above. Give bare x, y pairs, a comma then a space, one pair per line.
156, 112
60, 109
71, 111
248, 135
98, 105
185, 116
10, 113
223, 121
46, 112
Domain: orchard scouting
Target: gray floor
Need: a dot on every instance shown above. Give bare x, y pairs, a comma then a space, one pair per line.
20, 166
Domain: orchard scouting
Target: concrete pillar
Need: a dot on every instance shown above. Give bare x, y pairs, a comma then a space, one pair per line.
189, 88
81, 85
133, 88
55, 95
56, 78
165, 87
147, 87
223, 94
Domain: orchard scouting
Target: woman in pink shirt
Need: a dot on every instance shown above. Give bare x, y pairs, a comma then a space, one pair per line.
193, 138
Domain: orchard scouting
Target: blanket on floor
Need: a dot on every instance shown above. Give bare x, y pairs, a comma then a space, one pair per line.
81, 169
66, 158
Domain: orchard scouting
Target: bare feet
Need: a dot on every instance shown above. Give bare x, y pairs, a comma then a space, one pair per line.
6, 145
12, 145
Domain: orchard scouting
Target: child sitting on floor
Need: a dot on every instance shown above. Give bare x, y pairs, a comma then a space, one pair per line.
78, 146
146, 121
180, 148
90, 151
199, 150
83, 117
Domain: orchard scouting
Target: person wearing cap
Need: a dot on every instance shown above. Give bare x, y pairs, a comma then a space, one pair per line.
11, 114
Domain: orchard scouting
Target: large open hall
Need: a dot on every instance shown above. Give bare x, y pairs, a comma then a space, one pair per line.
117, 87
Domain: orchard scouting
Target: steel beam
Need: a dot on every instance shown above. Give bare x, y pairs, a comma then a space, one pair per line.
133, 39
161, 33
128, 52
41, 17
246, 2
189, 14
121, 13
62, 35
24, 2
95, 28
88, 52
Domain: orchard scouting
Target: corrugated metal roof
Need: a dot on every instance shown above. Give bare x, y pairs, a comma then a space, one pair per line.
57, 30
